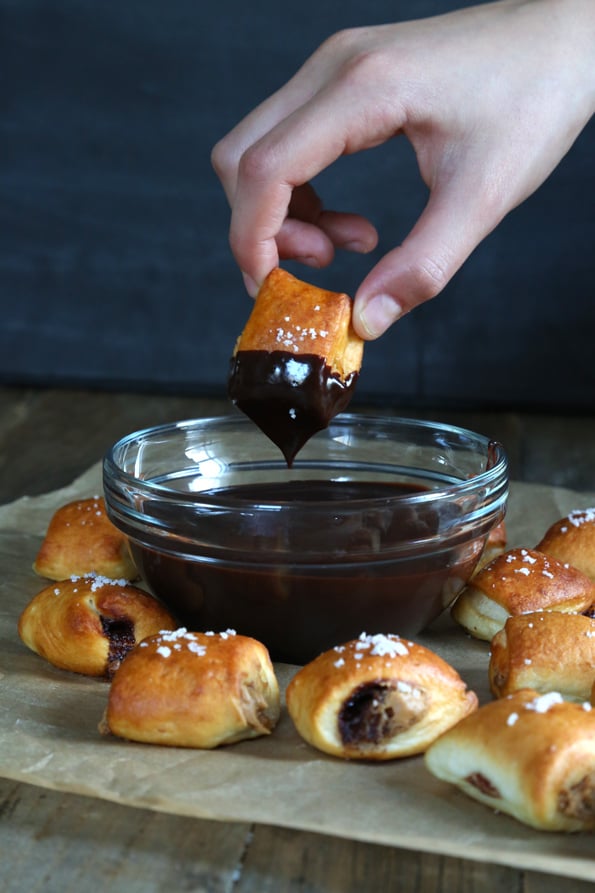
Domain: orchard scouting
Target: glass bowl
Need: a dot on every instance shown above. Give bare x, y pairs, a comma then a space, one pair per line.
376, 527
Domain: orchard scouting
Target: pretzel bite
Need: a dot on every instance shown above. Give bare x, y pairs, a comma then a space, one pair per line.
495, 545
545, 651
376, 698
517, 582
572, 540
199, 690
88, 624
296, 362
531, 756
81, 539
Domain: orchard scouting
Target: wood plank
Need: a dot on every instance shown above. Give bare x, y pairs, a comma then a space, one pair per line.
53, 842
281, 861
47, 438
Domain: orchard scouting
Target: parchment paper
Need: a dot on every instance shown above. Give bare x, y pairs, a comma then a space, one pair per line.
49, 736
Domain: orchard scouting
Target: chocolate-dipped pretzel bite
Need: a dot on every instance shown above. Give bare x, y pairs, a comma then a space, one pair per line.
187, 689
88, 624
377, 697
296, 362
517, 582
529, 755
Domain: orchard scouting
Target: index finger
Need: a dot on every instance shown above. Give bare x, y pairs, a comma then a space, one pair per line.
335, 122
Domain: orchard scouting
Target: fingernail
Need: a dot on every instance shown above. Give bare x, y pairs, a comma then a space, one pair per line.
308, 261
357, 247
378, 314
251, 286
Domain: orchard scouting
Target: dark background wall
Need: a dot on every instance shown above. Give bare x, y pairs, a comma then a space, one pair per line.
114, 263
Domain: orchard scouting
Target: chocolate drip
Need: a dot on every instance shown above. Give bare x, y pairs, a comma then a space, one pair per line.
289, 396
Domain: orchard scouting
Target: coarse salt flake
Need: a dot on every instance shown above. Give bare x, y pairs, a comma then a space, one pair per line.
512, 719
195, 648
171, 635
99, 581
582, 516
545, 702
296, 372
383, 646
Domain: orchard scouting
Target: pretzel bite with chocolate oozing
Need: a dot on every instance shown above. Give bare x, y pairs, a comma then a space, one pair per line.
531, 756
518, 582
571, 540
88, 624
81, 539
378, 697
545, 651
187, 689
296, 362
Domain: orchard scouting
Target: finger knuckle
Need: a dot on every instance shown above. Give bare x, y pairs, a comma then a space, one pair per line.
429, 277
342, 43
223, 159
257, 163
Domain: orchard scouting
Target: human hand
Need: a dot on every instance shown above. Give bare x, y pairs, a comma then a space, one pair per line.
491, 98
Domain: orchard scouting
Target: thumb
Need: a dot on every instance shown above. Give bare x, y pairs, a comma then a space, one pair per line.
444, 236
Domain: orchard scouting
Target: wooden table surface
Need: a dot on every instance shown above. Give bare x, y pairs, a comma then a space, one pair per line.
50, 841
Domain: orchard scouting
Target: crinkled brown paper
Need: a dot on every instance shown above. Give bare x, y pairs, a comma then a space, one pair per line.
49, 736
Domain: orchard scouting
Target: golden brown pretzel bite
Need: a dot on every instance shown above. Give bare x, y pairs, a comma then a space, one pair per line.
88, 624
189, 689
517, 582
545, 651
572, 540
529, 755
376, 698
81, 539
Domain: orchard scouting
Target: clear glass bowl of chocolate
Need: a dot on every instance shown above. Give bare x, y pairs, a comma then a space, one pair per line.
376, 526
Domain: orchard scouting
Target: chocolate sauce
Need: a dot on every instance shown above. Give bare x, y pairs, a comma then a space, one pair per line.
361, 582
375, 712
483, 784
289, 396
120, 634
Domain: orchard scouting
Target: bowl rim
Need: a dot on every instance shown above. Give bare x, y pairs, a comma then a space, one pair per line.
495, 472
